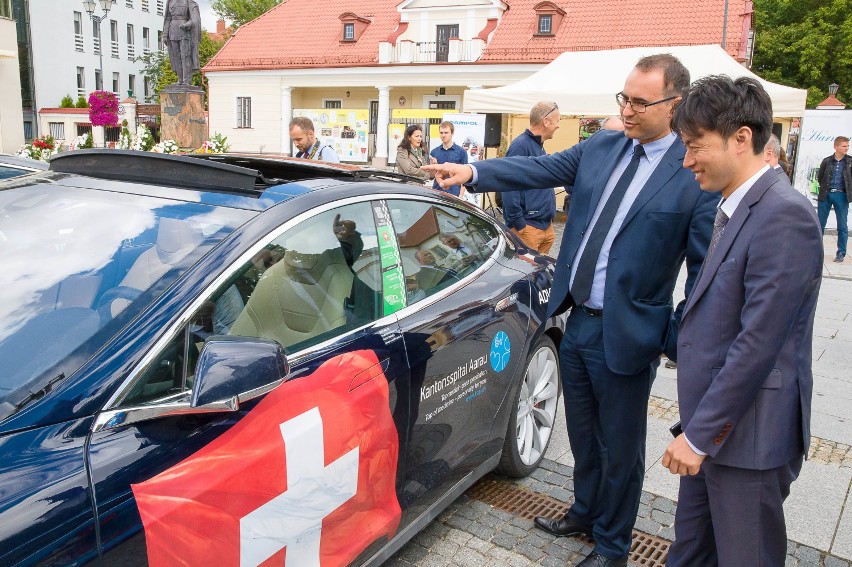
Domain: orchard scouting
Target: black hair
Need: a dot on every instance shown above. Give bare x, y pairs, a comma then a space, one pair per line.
723, 105
406, 142
675, 74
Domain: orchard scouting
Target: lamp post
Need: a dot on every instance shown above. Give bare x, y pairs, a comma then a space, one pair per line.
832, 89
90, 9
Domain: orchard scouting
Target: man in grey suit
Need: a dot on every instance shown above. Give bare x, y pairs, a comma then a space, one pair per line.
635, 215
744, 347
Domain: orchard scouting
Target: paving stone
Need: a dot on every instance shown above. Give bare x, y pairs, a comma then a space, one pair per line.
481, 531
831, 561
557, 551
480, 545
646, 498
458, 536
434, 560
504, 540
647, 526
540, 474
665, 505
469, 558
527, 550
561, 494
459, 522
664, 518
519, 522
644, 510
550, 561
536, 540
809, 554
446, 547
791, 562
491, 520
500, 514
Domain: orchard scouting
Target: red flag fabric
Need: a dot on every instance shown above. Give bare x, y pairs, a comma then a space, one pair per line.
305, 478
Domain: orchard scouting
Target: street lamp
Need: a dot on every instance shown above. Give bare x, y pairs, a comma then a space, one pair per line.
832, 89
90, 9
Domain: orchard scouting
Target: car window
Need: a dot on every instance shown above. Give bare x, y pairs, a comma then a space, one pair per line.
317, 280
6, 171
440, 245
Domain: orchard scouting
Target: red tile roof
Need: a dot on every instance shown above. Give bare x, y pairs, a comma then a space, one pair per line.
298, 33
615, 24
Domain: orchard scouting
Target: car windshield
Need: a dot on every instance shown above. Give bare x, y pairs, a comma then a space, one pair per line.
78, 265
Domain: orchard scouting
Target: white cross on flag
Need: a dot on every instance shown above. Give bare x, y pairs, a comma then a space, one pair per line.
306, 478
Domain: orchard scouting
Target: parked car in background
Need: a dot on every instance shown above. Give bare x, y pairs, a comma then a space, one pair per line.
13, 166
222, 360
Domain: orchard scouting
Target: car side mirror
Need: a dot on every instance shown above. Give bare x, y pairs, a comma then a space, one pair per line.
232, 368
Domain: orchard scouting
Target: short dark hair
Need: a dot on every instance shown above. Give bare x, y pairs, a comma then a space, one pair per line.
447, 123
406, 142
717, 103
675, 74
840, 140
303, 122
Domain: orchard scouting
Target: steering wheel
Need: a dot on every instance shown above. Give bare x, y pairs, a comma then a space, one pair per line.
105, 302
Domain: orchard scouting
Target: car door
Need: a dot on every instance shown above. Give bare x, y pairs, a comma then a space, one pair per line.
305, 470
464, 336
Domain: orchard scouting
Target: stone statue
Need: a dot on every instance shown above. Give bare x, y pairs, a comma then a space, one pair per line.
182, 33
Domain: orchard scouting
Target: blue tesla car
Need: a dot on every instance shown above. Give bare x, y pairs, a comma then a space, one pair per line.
237, 360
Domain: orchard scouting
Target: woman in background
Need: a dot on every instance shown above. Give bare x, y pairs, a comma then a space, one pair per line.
410, 155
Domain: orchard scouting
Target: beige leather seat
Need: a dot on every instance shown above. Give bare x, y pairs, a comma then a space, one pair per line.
299, 298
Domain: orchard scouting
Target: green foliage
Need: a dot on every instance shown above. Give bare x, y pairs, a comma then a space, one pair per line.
158, 69
67, 102
82, 102
242, 11
802, 43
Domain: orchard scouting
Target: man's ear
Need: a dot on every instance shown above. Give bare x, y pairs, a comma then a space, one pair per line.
742, 137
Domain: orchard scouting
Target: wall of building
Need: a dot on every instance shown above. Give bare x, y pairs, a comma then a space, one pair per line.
266, 116
56, 53
11, 117
424, 17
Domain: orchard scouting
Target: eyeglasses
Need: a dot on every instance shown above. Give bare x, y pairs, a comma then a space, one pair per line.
639, 107
555, 107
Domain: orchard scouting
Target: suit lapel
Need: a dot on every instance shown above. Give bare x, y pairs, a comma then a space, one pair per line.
711, 264
670, 163
609, 164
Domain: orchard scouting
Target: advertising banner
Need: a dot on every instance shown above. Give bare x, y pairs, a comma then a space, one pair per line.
345, 130
816, 142
470, 134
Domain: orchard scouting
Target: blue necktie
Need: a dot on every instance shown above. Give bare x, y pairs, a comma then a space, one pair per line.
585, 275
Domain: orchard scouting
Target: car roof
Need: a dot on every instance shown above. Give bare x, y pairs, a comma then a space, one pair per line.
23, 162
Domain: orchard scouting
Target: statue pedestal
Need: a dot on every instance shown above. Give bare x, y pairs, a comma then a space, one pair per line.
182, 115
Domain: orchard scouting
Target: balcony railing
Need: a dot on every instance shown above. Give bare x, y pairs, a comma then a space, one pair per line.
454, 51
159, 7
78, 41
144, 5
114, 50
131, 52
97, 43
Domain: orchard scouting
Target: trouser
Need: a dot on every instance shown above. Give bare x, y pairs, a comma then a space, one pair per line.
607, 423
732, 517
536, 238
840, 202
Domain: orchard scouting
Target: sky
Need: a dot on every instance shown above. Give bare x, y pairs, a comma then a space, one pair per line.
208, 16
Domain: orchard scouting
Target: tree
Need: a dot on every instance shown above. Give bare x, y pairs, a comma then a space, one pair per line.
802, 43
67, 102
242, 11
82, 102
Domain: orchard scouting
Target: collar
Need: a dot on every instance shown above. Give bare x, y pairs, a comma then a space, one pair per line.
535, 137
730, 204
657, 149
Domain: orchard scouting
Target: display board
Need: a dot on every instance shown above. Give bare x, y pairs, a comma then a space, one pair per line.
816, 142
344, 129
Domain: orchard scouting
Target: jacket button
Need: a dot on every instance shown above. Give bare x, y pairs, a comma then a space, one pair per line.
728, 427
718, 440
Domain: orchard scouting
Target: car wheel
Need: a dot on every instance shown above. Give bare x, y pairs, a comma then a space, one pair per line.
533, 412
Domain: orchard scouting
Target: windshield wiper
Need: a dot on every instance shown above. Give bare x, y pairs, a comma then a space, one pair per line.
7, 409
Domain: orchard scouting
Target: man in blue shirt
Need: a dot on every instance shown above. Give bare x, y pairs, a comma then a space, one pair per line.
835, 190
448, 152
530, 213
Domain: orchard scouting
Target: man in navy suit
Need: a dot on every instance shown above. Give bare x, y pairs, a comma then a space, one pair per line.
635, 215
744, 347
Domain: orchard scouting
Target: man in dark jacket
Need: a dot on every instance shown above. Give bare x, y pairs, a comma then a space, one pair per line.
530, 213
835, 190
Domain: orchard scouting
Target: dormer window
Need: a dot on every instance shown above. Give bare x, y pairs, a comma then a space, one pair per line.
353, 26
548, 18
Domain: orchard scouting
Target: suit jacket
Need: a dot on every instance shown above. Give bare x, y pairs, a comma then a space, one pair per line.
744, 374
671, 220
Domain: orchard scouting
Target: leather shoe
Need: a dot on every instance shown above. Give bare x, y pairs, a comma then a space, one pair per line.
562, 527
598, 560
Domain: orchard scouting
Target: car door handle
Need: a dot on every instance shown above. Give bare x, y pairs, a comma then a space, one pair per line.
507, 302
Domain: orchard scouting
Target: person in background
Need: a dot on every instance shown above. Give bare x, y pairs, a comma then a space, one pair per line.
772, 155
448, 152
835, 190
744, 379
530, 213
305, 140
410, 156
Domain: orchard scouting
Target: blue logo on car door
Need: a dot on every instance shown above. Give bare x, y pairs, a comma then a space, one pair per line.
500, 349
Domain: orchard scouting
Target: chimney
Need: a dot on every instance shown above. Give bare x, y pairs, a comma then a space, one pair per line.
220, 26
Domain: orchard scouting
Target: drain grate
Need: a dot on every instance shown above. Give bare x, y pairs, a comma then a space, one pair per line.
646, 550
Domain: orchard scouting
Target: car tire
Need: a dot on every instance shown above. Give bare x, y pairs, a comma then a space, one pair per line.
533, 412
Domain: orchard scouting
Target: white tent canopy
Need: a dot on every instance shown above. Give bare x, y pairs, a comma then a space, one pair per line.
584, 83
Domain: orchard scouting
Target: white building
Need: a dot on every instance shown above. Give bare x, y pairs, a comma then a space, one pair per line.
11, 124
66, 52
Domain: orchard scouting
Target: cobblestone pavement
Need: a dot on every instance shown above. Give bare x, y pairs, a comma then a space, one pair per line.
472, 533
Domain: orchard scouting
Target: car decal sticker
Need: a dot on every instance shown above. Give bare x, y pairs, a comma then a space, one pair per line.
306, 478
393, 280
501, 349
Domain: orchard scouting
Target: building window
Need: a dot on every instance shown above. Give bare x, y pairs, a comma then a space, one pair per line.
545, 24
81, 81
348, 32
28, 130
116, 83
549, 16
57, 130
113, 36
160, 40
442, 105
131, 43
96, 36
78, 31
146, 41
99, 81
131, 85
333, 104
5, 9
146, 88
243, 112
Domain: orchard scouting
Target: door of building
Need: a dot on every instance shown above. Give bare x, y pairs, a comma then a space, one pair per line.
442, 42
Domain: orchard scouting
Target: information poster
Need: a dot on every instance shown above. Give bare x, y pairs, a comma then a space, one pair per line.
401, 118
344, 129
469, 134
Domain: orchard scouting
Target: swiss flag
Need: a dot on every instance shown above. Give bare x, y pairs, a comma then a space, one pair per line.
305, 478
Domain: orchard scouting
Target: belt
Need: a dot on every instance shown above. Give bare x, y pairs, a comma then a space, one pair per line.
591, 311
837, 191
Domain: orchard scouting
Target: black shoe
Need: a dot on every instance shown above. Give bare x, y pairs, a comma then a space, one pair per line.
598, 560
670, 363
840, 257
562, 527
